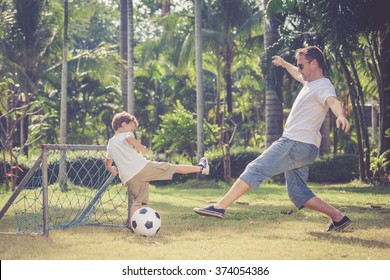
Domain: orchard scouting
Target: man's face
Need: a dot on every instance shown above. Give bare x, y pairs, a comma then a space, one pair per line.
304, 67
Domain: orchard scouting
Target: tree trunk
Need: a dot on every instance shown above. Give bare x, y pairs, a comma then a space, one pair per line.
352, 93
64, 98
199, 78
123, 50
130, 58
273, 104
325, 133
218, 81
363, 126
385, 98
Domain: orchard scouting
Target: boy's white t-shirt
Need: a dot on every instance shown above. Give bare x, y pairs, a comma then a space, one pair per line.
309, 111
127, 160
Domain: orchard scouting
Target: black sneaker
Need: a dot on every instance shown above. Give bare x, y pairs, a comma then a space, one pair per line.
210, 211
205, 166
338, 226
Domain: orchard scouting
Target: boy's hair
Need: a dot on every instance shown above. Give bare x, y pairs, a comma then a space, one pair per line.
122, 117
311, 53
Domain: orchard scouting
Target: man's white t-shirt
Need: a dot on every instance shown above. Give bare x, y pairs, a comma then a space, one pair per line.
309, 111
127, 160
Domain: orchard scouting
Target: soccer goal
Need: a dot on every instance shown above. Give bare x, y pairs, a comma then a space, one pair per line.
68, 186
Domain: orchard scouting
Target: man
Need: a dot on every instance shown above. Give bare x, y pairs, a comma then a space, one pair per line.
299, 145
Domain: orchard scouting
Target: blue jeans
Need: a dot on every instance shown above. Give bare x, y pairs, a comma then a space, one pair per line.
288, 156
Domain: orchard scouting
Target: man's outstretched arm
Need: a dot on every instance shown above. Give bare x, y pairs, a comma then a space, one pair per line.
293, 70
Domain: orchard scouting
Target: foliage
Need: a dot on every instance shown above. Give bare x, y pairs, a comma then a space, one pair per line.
177, 133
335, 169
16, 105
31, 44
380, 165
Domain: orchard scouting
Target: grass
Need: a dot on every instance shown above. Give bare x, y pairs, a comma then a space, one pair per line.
265, 225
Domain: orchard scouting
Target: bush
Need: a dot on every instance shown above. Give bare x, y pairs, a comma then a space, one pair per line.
337, 169
340, 169
380, 167
21, 174
239, 161
177, 133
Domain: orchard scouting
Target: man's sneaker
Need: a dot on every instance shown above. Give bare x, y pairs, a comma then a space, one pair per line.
210, 211
205, 166
338, 226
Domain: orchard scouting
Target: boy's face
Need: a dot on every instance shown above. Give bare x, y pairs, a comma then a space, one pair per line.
128, 126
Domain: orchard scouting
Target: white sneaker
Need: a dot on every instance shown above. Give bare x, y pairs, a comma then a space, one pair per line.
205, 166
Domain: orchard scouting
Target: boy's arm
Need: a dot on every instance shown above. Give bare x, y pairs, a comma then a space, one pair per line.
113, 169
293, 70
136, 144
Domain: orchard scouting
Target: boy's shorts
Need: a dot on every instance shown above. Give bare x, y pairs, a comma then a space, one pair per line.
153, 171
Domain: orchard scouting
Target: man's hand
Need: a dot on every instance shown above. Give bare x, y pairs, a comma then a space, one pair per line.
293, 70
338, 111
342, 120
278, 61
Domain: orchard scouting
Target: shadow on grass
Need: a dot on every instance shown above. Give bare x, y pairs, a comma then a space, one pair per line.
350, 240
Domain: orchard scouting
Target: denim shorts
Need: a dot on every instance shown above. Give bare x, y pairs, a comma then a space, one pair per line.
289, 157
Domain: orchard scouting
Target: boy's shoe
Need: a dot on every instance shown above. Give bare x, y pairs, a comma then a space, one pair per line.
338, 226
205, 166
131, 229
210, 211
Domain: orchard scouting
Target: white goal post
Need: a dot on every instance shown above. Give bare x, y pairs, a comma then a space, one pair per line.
67, 186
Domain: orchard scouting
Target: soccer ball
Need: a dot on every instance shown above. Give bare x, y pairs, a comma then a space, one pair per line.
146, 221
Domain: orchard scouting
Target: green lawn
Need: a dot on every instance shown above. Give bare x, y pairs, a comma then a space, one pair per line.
260, 226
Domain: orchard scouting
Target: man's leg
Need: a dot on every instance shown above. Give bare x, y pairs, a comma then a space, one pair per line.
237, 190
319, 205
218, 209
273, 161
301, 195
338, 220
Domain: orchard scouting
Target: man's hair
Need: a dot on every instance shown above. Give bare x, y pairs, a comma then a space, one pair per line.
122, 117
311, 53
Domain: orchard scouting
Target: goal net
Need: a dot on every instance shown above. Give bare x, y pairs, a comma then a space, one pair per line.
68, 186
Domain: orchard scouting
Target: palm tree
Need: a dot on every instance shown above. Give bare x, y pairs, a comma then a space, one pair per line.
130, 57
199, 78
228, 26
350, 34
27, 49
237, 17
344, 43
385, 94
64, 98
124, 51
273, 101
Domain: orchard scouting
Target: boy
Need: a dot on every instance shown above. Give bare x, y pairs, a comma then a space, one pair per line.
134, 170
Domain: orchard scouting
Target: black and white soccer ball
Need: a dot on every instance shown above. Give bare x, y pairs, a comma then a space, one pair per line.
146, 221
